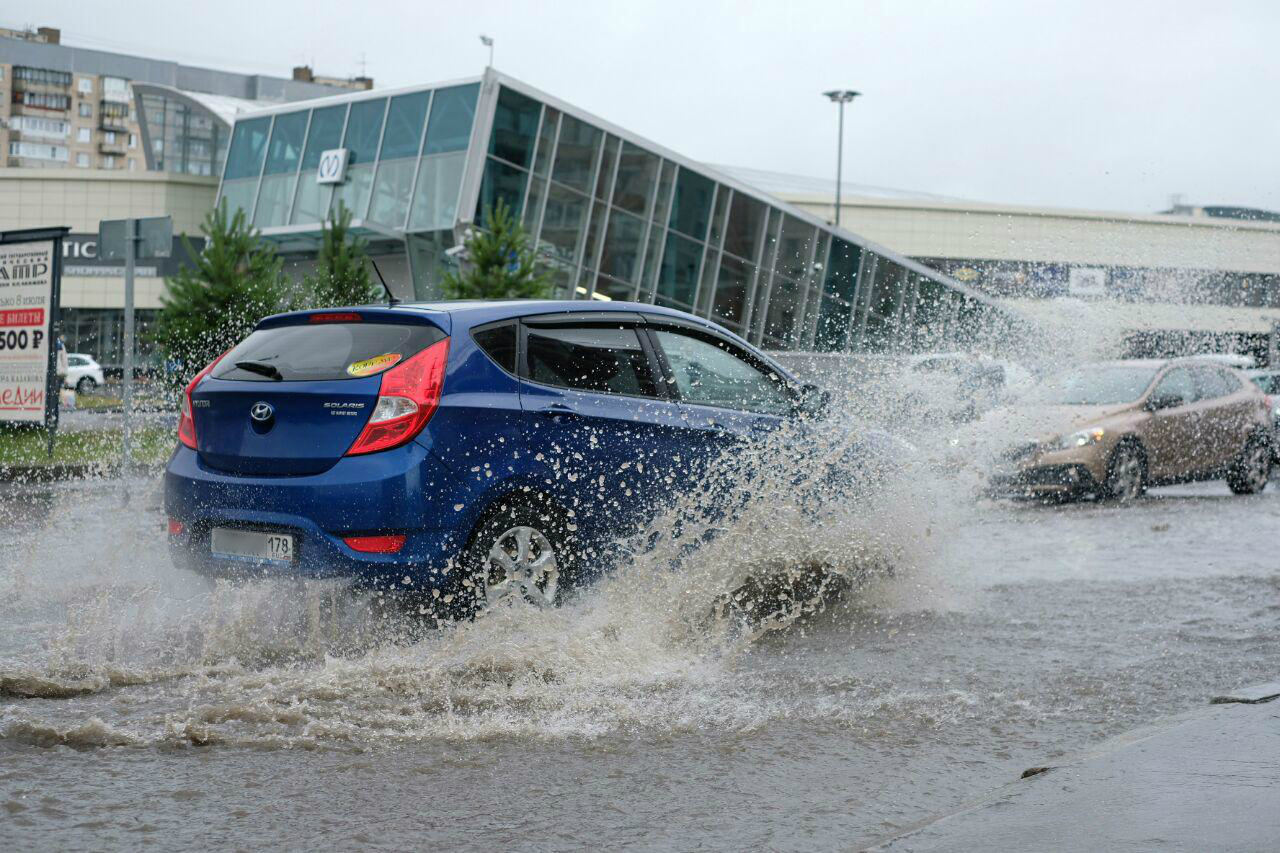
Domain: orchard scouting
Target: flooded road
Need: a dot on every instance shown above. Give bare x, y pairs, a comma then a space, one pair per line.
139, 704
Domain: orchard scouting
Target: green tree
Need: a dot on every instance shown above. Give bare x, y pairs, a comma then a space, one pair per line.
500, 264
211, 305
341, 274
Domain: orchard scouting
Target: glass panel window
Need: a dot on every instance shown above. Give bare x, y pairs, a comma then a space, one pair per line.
546, 141
576, 153
453, 111
794, 248
783, 303
391, 192
731, 291
515, 126
621, 257
637, 175
717, 218
710, 375
604, 183
238, 194
325, 134
363, 128
533, 204
285, 149
833, 325
842, 269
886, 287
609, 361
501, 180
691, 207
563, 224
746, 219
665, 184
84, 134
608, 288
273, 200
435, 201
405, 118
678, 278
248, 144
311, 202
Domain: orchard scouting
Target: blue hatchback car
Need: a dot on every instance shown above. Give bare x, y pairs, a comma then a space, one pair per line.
470, 450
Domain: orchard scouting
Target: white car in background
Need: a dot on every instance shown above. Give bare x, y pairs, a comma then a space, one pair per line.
83, 373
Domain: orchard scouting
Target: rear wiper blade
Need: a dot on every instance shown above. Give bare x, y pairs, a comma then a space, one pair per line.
261, 368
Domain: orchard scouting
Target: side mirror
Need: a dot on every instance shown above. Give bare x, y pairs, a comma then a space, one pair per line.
1163, 401
812, 401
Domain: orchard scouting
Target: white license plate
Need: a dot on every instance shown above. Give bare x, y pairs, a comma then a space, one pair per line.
251, 545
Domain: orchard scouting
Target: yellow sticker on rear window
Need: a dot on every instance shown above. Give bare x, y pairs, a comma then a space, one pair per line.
370, 366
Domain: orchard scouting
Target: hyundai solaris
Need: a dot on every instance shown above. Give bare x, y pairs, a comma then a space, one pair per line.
467, 450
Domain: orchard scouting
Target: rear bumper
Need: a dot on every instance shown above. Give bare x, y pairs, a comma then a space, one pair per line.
403, 491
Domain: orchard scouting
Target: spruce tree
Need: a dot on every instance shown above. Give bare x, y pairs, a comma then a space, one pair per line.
500, 263
341, 274
211, 305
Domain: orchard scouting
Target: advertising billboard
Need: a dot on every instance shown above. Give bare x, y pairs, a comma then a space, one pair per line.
28, 311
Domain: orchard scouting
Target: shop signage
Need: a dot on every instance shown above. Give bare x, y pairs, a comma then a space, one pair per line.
333, 166
29, 275
80, 257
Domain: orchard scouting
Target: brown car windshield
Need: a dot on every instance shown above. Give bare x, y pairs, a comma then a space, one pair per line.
1096, 386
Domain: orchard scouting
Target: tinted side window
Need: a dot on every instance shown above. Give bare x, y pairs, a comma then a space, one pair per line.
76, 361
712, 376
603, 360
1214, 383
499, 343
1177, 383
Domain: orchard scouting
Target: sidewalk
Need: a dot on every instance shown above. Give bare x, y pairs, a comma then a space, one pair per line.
1205, 780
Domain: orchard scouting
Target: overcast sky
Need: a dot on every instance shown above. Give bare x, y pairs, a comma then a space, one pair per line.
1111, 105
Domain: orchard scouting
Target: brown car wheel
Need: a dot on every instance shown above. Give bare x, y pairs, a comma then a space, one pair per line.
1251, 470
1126, 473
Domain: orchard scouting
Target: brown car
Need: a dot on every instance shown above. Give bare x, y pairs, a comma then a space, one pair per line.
1114, 428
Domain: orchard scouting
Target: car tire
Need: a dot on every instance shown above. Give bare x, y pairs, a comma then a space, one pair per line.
520, 551
1126, 473
86, 385
1250, 471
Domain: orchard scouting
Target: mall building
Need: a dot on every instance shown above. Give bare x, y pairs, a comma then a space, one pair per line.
614, 216
1187, 279
88, 135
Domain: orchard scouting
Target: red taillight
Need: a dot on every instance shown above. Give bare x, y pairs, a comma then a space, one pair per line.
186, 421
336, 317
176, 527
375, 544
407, 398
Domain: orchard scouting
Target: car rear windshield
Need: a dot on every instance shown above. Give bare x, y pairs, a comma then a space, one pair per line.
1096, 386
324, 351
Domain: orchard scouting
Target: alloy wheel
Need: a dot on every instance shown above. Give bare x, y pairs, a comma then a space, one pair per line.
1125, 481
522, 562
1255, 466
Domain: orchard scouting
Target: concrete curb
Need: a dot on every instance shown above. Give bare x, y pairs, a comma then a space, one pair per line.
1208, 779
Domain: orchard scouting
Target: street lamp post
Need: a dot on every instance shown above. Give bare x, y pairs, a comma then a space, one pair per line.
841, 97
487, 41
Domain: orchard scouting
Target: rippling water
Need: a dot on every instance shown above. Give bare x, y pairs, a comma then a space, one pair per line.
135, 699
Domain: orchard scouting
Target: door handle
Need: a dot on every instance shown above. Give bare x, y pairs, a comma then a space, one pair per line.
558, 409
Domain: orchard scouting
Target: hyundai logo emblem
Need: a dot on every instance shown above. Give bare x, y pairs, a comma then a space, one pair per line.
262, 412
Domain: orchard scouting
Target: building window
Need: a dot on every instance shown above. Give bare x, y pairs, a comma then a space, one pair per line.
109, 162
109, 137
82, 160
42, 100
86, 110
83, 134
84, 85
46, 76
38, 151
43, 128
133, 165
116, 89
133, 140
453, 111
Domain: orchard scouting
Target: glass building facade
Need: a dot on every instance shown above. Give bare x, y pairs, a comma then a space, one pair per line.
612, 215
